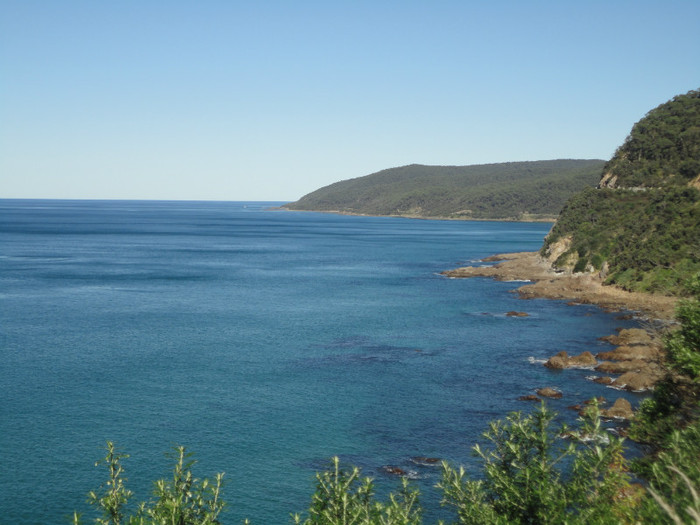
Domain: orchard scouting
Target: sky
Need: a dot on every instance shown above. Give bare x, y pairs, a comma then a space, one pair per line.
270, 100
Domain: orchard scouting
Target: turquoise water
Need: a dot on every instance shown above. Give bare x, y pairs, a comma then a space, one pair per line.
265, 341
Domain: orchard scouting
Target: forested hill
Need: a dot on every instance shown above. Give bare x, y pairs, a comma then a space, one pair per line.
641, 227
513, 190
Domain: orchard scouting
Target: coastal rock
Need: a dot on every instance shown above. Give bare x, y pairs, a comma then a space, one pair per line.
558, 248
393, 470
558, 362
600, 400
562, 360
621, 409
621, 367
549, 392
513, 313
530, 397
630, 337
637, 381
582, 408
604, 380
631, 352
585, 359
425, 461
583, 288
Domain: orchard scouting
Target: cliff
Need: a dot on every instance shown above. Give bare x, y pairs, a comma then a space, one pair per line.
640, 228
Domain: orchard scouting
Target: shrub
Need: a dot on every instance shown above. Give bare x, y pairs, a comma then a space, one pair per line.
184, 500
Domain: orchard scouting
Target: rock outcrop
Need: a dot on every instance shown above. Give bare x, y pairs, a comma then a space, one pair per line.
622, 367
621, 409
629, 353
639, 381
562, 361
549, 392
529, 397
631, 337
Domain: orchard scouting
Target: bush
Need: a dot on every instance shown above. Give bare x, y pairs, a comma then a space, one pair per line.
342, 498
184, 500
531, 476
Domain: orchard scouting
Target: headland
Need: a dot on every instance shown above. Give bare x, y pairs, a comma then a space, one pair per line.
579, 288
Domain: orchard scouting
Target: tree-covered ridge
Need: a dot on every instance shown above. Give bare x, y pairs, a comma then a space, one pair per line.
513, 190
641, 228
662, 149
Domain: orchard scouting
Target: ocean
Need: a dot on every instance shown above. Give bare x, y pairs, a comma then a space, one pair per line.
264, 341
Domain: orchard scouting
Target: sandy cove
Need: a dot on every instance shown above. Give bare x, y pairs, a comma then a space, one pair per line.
583, 288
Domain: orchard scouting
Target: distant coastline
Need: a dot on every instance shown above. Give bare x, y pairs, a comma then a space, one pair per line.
524, 218
581, 288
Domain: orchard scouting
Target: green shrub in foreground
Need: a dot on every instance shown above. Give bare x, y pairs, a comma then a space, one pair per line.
532, 473
183, 500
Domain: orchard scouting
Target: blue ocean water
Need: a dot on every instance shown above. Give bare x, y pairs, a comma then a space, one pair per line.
265, 341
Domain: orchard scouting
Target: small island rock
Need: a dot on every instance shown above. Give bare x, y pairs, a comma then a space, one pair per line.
394, 471
621, 409
549, 392
562, 361
529, 397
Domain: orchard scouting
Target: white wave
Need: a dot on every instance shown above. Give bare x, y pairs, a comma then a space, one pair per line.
616, 387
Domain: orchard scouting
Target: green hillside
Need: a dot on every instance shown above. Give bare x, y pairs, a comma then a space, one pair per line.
513, 190
642, 226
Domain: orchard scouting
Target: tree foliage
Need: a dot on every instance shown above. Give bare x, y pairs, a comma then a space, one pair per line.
649, 239
663, 148
182, 500
669, 424
343, 498
643, 224
531, 475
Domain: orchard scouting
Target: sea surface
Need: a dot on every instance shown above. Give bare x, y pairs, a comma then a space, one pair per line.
265, 341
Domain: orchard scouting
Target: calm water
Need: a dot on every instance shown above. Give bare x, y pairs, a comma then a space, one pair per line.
265, 341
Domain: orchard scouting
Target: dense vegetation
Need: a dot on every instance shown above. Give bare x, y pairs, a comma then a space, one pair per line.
642, 226
669, 424
514, 190
533, 471
663, 148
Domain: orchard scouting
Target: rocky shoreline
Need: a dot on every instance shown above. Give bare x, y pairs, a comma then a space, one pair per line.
581, 288
636, 364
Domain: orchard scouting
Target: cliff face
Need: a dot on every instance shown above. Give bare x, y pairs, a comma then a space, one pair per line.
641, 226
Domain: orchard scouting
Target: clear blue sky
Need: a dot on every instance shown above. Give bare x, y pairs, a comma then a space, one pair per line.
265, 100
